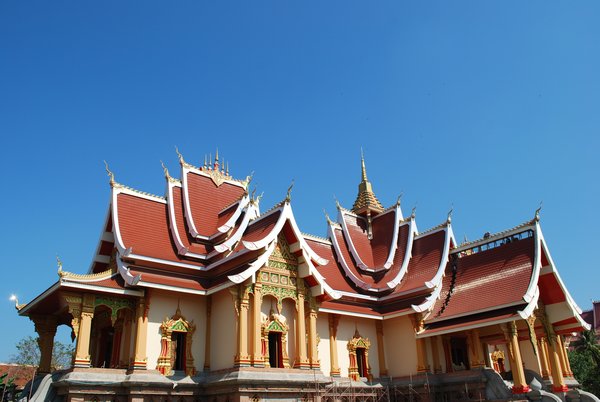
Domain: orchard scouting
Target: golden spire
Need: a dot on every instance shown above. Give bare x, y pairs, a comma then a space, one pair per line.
366, 201
111, 175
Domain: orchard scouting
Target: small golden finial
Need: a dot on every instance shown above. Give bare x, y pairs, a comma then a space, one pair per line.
227, 170
414, 212
327, 217
16, 300
449, 218
288, 196
59, 263
253, 193
465, 239
181, 160
210, 160
398, 201
204, 166
110, 174
259, 197
537, 212
165, 170
363, 168
337, 203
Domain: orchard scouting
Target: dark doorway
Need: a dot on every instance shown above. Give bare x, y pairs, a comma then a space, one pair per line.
178, 339
275, 355
361, 362
459, 352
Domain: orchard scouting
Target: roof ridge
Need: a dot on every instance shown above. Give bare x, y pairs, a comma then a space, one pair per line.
99, 275
494, 236
122, 186
316, 238
434, 228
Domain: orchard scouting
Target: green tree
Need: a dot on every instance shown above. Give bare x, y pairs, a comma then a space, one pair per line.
28, 353
585, 361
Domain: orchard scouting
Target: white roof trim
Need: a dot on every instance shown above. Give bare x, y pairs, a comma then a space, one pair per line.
255, 266
126, 274
231, 221
571, 303
429, 301
287, 215
231, 241
357, 281
537, 265
346, 233
527, 311
312, 271
412, 232
102, 238
181, 248
436, 281
342, 312
115, 220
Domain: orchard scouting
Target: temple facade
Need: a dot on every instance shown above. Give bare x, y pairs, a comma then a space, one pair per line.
198, 295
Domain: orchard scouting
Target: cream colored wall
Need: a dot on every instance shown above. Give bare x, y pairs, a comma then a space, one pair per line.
323, 347
530, 360
223, 331
400, 346
163, 304
289, 312
345, 332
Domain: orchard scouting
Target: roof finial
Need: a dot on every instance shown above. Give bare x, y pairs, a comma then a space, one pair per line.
337, 203
179, 155
327, 217
537, 212
165, 170
399, 199
110, 174
414, 212
449, 218
16, 300
204, 166
210, 160
59, 263
227, 170
216, 165
363, 168
288, 197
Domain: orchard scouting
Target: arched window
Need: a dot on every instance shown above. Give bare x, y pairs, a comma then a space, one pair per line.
358, 347
176, 345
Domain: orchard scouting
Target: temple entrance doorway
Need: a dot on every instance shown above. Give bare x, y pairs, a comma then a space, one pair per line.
361, 362
459, 353
275, 350
178, 344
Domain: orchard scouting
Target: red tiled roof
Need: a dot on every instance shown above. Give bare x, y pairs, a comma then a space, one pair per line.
158, 278
261, 227
374, 252
331, 272
143, 225
21, 374
177, 203
425, 261
207, 200
472, 321
550, 290
486, 280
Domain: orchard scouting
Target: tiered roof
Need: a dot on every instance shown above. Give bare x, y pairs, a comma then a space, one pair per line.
207, 234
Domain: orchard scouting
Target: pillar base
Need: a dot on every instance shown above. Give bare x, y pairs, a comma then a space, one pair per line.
82, 363
302, 365
242, 361
137, 365
523, 389
560, 388
335, 373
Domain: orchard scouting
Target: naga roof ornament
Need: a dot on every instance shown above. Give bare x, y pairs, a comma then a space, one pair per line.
366, 201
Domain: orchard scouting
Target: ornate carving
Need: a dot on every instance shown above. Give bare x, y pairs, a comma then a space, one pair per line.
166, 359
358, 342
275, 323
114, 304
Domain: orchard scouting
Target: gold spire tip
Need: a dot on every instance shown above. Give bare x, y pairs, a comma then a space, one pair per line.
165, 169
111, 175
288, 196
179, 155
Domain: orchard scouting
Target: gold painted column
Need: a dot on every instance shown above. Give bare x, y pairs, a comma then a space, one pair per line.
207, 333
558, 381
301, 359
242, 358
45, 326
82, 350
125, 351
258, 359
313, 354
476, 352
333, 352
564, 358
543, 349
380, 348
141, 333
520, 385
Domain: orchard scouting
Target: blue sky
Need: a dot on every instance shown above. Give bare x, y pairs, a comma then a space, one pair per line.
490, 107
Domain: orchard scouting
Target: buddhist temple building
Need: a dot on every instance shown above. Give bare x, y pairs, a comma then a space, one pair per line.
199, 294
